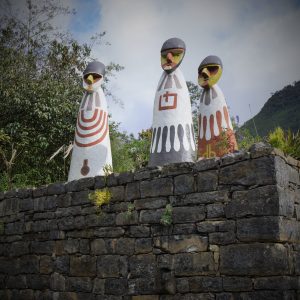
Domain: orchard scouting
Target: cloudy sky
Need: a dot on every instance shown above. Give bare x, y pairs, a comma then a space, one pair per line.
258, 42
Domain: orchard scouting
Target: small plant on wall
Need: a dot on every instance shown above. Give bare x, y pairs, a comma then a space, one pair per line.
101, 196
166, 218
130, 210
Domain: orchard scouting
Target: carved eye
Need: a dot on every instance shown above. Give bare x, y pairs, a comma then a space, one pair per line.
213, 69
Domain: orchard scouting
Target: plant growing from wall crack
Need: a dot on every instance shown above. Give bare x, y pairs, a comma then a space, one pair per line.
166, 218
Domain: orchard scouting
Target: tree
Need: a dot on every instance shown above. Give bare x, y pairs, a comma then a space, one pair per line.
40, 91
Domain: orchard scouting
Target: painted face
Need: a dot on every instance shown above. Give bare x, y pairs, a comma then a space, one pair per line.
91, 81
209, 75
171, 59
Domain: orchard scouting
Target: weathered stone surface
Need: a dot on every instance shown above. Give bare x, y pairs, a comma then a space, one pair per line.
199, 198
205, 284
83, 265
216, 226
127, 218
222, 238
215, 210
19, 248
132, 191
46, 264
55, 189
62, 264
79, 198
177, 168
150, 203
100, 182
207, 164
254, 259
98, 287
81, 184
79, 284
262, 201
207, 181
259, 229
156, 187
57, 282
139, 231
276, 283
151, 216
234, 157
16, 282
117, 193
38, 282
102, 219
188, 214
143, 245
236, 284
111, 266
98, 247
109, 232
260, 149
42, 247
191, 264
177, 243
143, 265
188, 228
259, 171
184, 184
116, 286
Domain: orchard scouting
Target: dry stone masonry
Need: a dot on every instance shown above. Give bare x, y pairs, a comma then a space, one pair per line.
234, 234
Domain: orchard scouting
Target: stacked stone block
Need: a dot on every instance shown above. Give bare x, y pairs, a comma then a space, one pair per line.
234, 234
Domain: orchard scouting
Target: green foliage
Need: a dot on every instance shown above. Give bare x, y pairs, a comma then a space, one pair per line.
128, 152
288, 141
166, 218
130, 210
281, 109
40, 92
195, 94
245, 139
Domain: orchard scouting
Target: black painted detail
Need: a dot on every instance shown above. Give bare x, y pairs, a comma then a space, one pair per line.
157, 139
164, 139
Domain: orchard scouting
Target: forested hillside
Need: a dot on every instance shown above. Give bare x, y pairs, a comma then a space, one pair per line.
282, 109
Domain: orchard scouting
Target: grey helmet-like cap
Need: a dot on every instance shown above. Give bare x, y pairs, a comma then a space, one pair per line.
95, 67
173, 43
210, 60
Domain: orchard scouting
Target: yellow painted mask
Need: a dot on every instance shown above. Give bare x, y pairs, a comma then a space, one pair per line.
171, 59
208, 75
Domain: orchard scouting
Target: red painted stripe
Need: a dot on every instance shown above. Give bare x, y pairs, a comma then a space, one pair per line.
219, 121
226, 116
97, 141
93, 118
90, 127
199, 124
92, 133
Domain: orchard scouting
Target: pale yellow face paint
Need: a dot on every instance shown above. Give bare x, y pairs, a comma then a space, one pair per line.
171, 58
209, 75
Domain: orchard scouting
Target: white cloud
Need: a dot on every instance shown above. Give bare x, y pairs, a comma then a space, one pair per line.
257, 42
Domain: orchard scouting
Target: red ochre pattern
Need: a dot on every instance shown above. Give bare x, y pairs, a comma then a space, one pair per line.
213, 147
83, 124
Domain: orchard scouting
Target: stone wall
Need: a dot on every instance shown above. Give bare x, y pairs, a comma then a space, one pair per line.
234, 234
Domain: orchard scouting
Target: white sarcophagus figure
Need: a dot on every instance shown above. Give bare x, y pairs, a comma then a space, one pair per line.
215, 136
172, 126
91, 150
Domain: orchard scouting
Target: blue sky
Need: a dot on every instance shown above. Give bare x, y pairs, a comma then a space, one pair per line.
258, 42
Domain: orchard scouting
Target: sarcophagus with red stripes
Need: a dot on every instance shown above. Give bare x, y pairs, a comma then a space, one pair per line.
91, 150
215, 131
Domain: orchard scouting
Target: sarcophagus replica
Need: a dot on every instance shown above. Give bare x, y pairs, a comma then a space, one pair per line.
91, 150
215, 136
172, 126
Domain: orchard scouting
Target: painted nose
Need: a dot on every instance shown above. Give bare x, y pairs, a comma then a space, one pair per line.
90, 79
169, 57
205, 73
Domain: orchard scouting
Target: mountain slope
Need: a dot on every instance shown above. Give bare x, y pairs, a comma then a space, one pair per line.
282, 109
